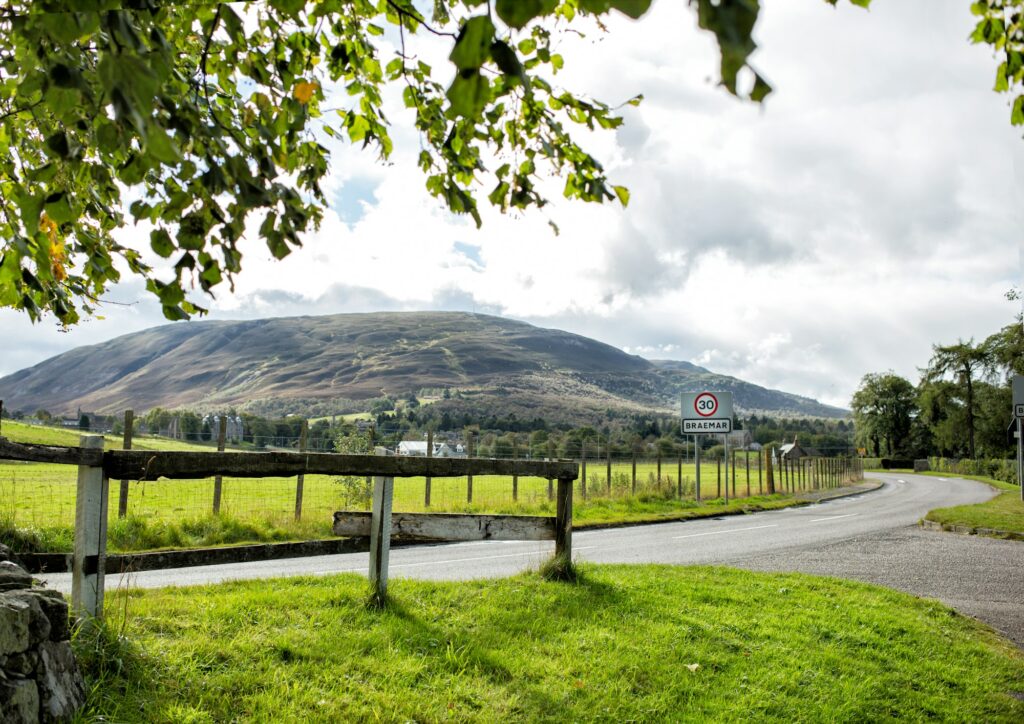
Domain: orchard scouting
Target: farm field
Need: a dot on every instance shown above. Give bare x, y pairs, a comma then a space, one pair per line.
44, 435
624, 643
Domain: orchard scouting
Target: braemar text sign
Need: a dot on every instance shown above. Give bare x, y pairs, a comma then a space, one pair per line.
706, 412
695, 427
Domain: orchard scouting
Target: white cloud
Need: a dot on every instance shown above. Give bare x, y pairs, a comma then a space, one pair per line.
870, 208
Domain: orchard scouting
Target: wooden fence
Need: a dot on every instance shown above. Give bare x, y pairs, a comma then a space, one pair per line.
97, 467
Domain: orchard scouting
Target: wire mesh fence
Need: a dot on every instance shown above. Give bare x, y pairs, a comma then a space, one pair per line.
37, 496
42, 495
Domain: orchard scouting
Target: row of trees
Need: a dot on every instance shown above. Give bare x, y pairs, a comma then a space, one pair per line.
960, 406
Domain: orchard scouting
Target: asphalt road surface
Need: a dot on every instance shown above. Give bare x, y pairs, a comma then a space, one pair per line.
870, 537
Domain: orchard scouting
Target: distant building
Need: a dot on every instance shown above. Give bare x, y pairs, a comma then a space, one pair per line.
416, 448
740, 440
233, 429
794, 451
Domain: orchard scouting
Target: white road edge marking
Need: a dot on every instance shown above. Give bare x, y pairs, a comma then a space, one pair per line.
833, 517
719, 532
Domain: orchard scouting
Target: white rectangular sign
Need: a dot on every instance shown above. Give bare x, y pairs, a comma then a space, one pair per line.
706, 412
696, 427
1018, 395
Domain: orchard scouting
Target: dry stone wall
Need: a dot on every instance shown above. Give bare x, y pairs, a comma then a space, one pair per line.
39, 678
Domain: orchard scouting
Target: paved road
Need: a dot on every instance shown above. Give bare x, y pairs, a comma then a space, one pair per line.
871, 537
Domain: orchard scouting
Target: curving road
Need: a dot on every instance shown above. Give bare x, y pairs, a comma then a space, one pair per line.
871, 537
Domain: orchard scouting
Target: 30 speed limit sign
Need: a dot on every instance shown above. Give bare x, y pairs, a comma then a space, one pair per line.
706, 404
706, 412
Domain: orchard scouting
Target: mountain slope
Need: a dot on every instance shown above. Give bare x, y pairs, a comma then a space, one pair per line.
291, 363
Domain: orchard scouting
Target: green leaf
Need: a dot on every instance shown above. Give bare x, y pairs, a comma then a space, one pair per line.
472, 49
161, 242
517, 13
1017, 115
597, 7
161, 146
623, 193
174, 313
760, 90
58, 208
469, 94
632, 8
506, 59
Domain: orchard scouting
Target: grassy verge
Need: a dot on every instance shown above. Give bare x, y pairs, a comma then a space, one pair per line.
1004, 513
624, 643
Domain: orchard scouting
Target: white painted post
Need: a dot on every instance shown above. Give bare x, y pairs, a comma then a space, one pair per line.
90, 554
380, 533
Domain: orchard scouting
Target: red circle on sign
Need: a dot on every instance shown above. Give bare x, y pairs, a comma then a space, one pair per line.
706, 404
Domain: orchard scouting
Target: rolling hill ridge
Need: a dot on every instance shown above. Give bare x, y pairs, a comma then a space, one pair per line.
340, 362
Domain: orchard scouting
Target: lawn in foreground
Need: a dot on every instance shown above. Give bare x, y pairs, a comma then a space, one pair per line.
1005, 512
625, 643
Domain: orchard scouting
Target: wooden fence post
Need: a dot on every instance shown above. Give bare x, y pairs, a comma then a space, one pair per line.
719, 476
469, 478
218, 480
733, 471
608, 452
380, 533
515, 478
760, 479
769, 473
696, 462
88, 563
427, 480
583, 471
634, 471
746, 460
563, 520
679, 478
122, 499
659, 468
300, 480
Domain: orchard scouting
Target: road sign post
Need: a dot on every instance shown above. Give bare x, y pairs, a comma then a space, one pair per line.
1017, 386
707, 413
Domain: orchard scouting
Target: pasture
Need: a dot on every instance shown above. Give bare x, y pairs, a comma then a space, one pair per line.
624, 643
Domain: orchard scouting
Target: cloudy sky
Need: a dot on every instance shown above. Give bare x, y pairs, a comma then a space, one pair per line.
873, 206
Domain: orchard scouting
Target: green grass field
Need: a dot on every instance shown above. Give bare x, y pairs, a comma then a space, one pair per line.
69, 437
625, 643
1005, 512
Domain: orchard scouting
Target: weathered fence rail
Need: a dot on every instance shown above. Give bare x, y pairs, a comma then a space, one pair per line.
97, 467
182, 465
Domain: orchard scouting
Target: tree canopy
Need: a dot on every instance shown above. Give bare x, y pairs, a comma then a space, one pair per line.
195, 119
883, 410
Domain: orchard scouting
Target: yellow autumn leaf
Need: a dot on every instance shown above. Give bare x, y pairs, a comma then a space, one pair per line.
58, 255
304, 90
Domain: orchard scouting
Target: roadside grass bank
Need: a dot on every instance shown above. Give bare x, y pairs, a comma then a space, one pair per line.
1001, 517
640, 643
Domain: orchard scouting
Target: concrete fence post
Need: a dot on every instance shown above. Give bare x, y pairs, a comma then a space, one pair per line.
380, 533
